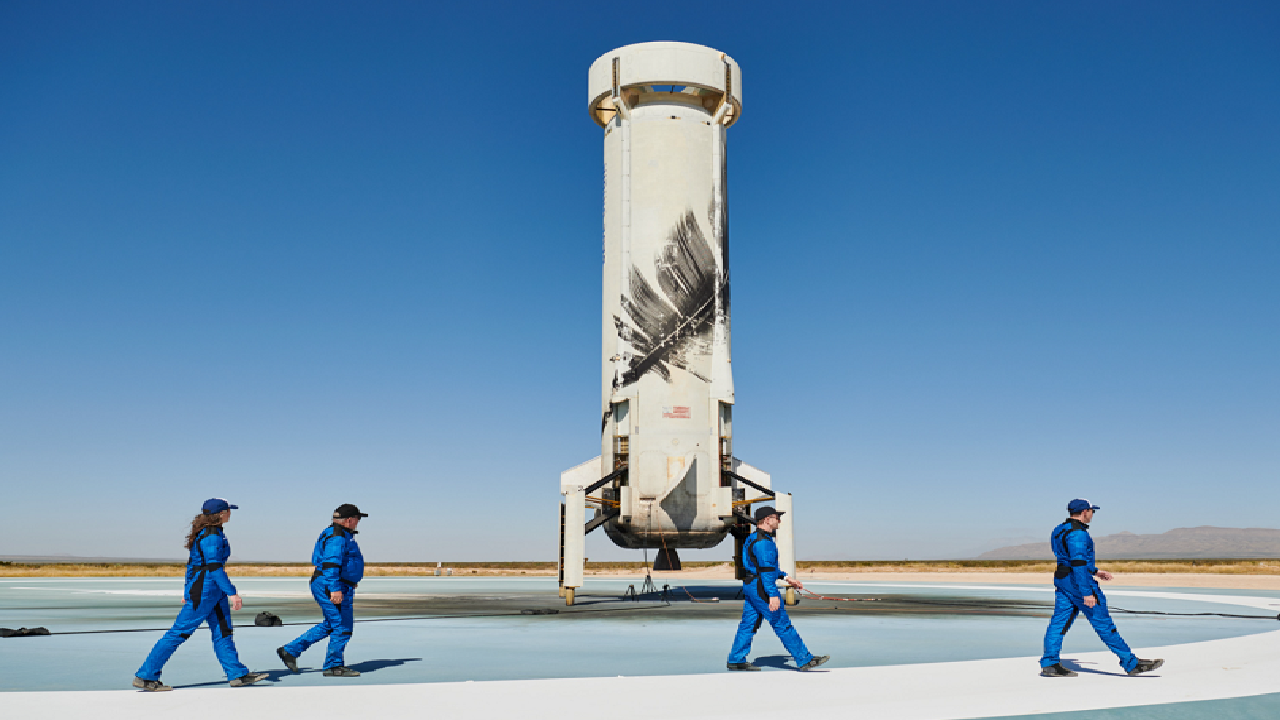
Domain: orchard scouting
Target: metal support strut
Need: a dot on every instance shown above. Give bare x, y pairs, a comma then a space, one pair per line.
573, 541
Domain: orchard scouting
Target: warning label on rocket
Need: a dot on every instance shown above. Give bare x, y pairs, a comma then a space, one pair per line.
676, 411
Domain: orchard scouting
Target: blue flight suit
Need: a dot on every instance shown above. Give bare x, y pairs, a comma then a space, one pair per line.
205, 593
760, 559
339, 568
1073, 580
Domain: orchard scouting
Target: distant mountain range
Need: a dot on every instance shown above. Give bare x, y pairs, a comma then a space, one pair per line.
1198, 542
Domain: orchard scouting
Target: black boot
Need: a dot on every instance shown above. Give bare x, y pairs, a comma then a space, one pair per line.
290, 661
742, 666
249, 679
150, 685
815, 662
1056, 670
1146, 666
341, 672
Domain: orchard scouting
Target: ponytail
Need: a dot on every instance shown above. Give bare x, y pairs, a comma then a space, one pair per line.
199, 523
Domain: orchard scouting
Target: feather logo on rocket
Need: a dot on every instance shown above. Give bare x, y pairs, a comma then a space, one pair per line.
671, 326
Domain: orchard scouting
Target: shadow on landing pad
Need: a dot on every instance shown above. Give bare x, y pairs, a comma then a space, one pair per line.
274, 676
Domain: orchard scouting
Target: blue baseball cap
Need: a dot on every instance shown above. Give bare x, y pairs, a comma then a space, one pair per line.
1079, 505
213, 506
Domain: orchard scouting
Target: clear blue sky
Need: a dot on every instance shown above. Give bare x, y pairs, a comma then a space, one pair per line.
987, 257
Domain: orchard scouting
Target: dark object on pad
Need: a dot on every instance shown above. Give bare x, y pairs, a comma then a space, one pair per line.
266, 619
23, 632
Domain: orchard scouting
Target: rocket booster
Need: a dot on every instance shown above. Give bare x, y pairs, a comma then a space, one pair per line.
667, 397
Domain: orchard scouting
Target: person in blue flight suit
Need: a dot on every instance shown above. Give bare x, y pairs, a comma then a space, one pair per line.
1077, 591
762, 601
208, 597
339, 568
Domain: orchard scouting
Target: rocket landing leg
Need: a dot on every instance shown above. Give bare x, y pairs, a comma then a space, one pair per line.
573, 538
786, 541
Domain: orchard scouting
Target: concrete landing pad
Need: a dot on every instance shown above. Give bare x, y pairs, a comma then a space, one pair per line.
973, 654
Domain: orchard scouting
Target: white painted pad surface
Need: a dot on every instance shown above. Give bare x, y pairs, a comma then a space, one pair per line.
1216, 669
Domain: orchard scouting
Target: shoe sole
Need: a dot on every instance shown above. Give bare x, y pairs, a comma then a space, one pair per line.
745, 669
1043, 674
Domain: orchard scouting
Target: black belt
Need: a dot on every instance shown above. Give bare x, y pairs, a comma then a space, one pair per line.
197, 585
1063, 570
756, 574
327, 566
759, 581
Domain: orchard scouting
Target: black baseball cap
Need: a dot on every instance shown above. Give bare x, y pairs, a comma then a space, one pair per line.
347, 510
766, 511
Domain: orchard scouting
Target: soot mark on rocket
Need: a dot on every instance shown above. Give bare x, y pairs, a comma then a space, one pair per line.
669, 321
718, 216
681, 503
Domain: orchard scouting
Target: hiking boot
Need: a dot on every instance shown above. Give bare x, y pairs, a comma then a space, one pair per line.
289, 661
1146, 666
1056, 670
341, 672
249, 679
742, 666
150, 685
815, 662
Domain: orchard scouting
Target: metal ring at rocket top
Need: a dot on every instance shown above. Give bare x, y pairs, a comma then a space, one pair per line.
663, 64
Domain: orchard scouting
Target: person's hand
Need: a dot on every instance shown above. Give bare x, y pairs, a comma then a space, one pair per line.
236, 602
796, 583
1104, 575
775, 604
335, 597
1090, 601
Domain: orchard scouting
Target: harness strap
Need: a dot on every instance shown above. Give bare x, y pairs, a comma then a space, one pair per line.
222, 621
197, 585
1064, 569
1062, 540
749, 551
328, 566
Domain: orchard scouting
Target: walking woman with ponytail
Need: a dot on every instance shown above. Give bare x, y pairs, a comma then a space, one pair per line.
208, 597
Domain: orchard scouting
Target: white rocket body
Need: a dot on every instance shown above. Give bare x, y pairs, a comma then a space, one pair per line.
666, 378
